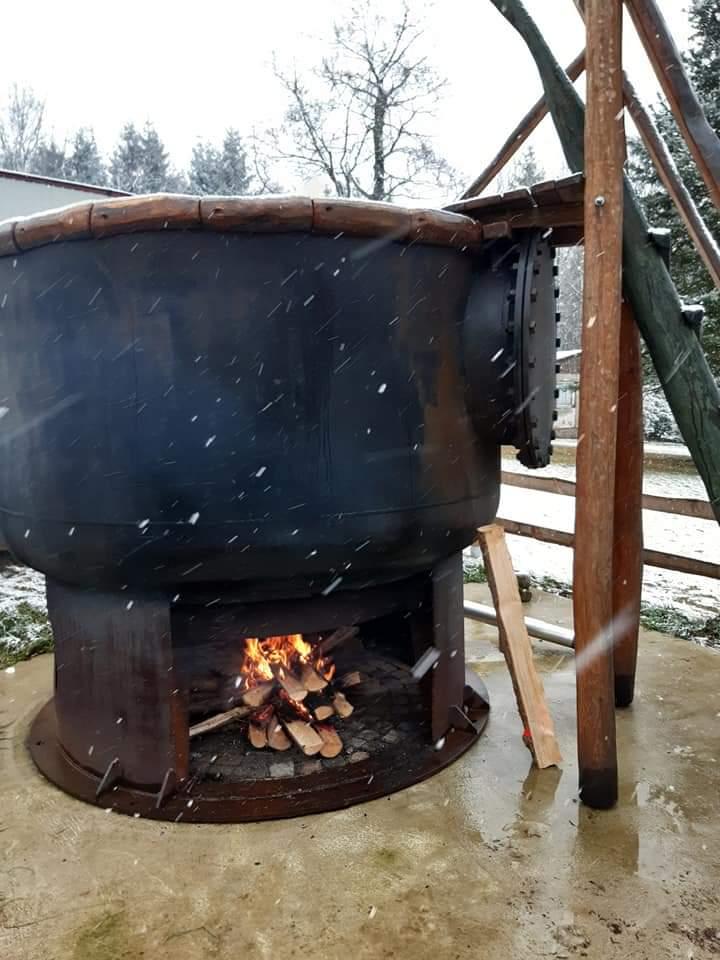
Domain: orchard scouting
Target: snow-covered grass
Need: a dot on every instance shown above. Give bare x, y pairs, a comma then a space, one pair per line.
665, 619
24, 626
473, 569
659, 420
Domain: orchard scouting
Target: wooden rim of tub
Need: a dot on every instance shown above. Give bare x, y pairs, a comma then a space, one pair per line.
269, 214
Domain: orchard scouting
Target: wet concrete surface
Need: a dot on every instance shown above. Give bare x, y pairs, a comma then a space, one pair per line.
488, 859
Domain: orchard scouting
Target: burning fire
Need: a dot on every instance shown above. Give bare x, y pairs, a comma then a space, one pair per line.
272, 657
299, 708
275, 675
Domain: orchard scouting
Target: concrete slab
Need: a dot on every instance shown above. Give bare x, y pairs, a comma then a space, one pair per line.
490, 858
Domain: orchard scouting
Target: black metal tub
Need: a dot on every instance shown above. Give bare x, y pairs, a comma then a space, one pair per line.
253, 391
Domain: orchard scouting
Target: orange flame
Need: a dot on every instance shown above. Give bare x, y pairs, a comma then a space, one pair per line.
265, 658
299, 708
326, 668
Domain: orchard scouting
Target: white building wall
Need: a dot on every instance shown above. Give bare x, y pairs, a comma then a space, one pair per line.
20, 196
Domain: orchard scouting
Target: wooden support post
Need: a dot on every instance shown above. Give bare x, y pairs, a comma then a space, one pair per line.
700, 137
519, 135
516, 647
628, 525
594, 504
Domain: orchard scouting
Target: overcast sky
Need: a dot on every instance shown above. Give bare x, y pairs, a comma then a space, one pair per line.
195, 68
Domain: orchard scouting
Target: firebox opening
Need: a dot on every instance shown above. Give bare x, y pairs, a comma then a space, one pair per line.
294, 693
312, 703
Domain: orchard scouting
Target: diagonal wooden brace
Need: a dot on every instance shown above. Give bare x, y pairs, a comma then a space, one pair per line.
516, 647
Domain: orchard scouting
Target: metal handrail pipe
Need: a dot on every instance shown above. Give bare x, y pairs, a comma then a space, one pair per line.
536, 628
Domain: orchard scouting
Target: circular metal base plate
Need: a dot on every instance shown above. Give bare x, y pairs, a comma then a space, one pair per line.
211, 802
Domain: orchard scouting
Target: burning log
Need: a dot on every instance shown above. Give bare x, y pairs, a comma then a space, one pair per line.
219, 720
343, 707
258, 695
281, 672
257, 735
277, 739
319, 704
290, 684
333, 702
258, 727
323, 711
331, 742
311, 679
304, 735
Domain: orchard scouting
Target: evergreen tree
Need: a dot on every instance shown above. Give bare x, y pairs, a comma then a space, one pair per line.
220, 171
83, 164
233, 165
524, 171
126, 166
155, 164
49, 160
205, 169
140, 162
702, 62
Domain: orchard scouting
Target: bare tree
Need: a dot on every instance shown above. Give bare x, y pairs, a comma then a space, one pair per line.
21, 129
359, 121
263, 180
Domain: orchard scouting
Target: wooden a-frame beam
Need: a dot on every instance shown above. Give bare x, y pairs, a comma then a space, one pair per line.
669, 175
675, 349
701, 139
702, 239
519, 135
660, 156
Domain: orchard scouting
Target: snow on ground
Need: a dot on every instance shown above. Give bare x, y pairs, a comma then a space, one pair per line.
24, 627
695, 597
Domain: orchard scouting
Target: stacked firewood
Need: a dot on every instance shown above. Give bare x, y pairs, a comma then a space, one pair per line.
293, 706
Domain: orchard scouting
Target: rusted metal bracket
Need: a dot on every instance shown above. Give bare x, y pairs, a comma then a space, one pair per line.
426, 662
461, 721
110, 777
167, 788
